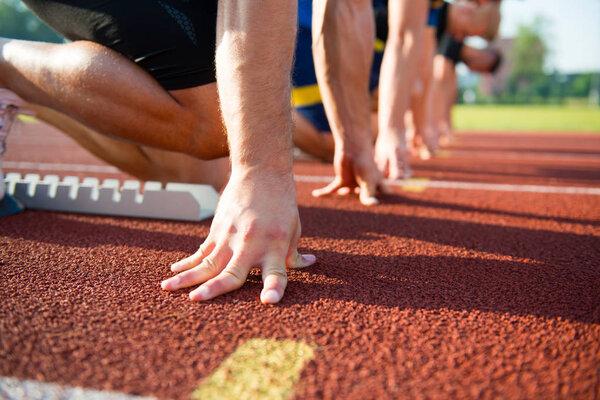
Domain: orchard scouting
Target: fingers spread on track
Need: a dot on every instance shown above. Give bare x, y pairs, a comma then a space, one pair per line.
195, 259
210, 266
329, 189
231, 278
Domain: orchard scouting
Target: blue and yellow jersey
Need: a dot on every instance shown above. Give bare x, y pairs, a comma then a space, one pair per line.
306, 97
435, 8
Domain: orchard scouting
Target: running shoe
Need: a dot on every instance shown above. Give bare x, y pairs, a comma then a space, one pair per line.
10, 105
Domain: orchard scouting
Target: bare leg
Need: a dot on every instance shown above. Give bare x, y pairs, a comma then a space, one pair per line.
145, 163
398, 70
308, 139
321, 144
112, 95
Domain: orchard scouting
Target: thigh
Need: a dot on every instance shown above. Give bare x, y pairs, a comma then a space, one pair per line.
173, 40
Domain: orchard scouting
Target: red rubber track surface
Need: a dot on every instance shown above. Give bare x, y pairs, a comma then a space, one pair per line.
458, 294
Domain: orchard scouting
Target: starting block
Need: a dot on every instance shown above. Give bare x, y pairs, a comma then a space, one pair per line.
176, 201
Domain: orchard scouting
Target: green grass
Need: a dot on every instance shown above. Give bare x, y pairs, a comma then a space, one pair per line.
527, 118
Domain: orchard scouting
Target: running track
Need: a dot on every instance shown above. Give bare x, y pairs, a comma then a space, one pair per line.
480, 280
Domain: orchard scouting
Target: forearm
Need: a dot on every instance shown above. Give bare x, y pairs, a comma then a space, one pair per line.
343, 42
400, 61
438, 109
255, 45
422, 107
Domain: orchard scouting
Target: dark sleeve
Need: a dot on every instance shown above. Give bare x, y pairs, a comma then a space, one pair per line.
450, 48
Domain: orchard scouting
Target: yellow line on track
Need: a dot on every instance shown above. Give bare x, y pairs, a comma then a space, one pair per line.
416, 185
28, 119
265, 369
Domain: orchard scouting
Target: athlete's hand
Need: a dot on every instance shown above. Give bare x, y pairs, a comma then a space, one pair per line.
355, 171
392, 157
256, 224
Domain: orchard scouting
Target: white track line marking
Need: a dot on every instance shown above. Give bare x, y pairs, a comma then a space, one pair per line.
498, 187
526, 155
17, 389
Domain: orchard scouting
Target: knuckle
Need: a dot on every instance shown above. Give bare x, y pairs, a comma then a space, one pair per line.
250, 230
272, 233
203, 247
282, 275
236, 275
277, 234
210, 265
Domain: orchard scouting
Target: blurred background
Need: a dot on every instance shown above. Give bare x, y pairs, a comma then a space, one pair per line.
552, 59
549, 80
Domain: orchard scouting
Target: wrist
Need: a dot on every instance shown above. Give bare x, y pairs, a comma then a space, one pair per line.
352, 148
276, 166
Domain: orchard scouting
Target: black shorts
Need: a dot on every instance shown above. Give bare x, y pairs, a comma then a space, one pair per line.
173, 40
450, 48
437, 18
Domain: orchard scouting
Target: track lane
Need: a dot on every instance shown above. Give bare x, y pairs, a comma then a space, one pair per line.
469, 293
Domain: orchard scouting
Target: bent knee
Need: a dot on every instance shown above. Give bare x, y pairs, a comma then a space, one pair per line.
200, 122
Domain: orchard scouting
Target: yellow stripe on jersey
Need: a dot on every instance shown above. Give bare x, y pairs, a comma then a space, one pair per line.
305, 96
436, 3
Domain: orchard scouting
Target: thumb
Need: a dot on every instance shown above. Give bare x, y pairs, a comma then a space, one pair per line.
301, 260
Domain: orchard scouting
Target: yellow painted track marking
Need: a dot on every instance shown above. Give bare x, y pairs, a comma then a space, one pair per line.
416, 185
265, 369
443, 153
28, 119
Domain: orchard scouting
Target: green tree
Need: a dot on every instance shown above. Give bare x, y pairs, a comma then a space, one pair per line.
528, 56
580, 85
18, 22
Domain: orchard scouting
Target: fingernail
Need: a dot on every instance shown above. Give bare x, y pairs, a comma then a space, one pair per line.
269, 297
370, 201
174, 267
308, 258
171, 283
202, 293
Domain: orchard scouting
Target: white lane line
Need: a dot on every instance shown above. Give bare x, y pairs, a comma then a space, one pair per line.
107, 169
500, 187
17, 389
510, 155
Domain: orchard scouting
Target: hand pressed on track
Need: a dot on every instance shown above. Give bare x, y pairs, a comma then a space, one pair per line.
355, 173
256, 224
391, 156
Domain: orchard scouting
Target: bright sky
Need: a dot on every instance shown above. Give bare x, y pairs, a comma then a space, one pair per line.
573, 30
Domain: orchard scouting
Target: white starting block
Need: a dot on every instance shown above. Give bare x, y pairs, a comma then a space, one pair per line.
177, 201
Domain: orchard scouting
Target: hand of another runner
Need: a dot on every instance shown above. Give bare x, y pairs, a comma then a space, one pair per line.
391, 157
355, 172
256, 224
